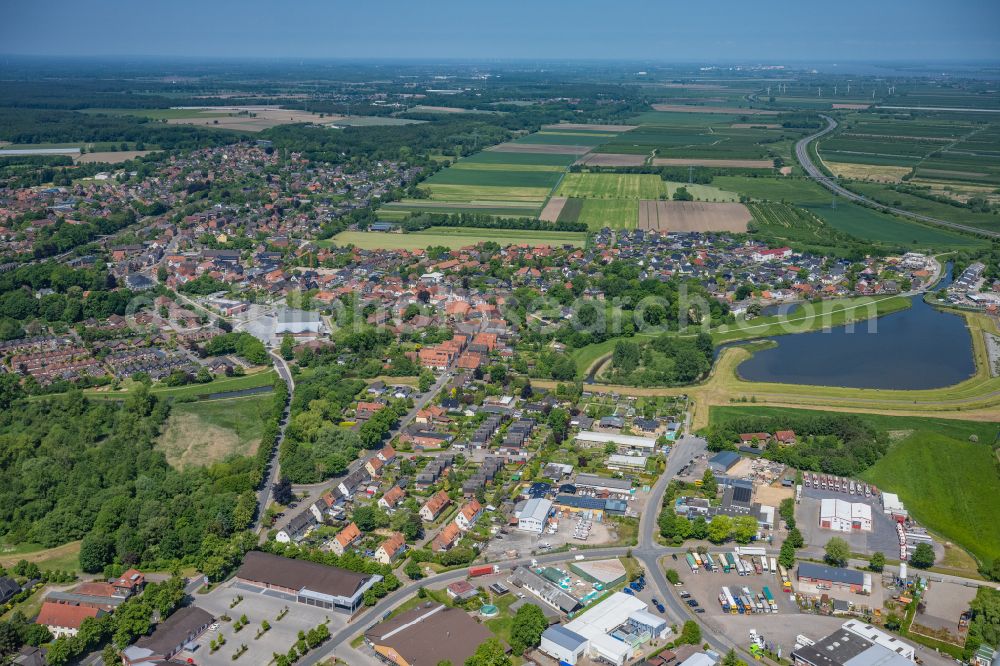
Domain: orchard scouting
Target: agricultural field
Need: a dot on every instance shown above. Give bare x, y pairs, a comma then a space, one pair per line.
785, 224
600, 213
495, 177
692, 216
454, 237
516, 158
856, 220
207, 431
633, 186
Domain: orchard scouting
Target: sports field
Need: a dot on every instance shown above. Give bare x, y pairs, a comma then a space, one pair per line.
453, 237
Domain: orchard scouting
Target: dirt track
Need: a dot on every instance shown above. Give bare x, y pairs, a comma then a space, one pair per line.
698, 216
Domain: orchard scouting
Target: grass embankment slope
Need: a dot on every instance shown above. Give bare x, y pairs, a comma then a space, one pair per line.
947, 482
207, 431
253, 379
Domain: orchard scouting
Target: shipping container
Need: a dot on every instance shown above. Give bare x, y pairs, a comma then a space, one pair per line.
483, 570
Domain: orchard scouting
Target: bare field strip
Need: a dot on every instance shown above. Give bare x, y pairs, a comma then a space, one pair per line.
945, 173
755, 125
552, 209
612, 160
851, 107
262, 118
879, 173
587, 127
543, 148
109, 157
697, 216
736, 164
685, 108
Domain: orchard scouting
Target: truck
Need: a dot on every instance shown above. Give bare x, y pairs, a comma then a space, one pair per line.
724, 561
733, 608
709, 562
483, 570
756, 565
697, 559
786, 584
770, 600
691, 562
774, 565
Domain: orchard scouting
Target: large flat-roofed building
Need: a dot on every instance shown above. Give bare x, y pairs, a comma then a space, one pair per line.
428, 634
847, 647
828, 578
612, 631
534, 515
624, 442
306, 582
603, 484
544, 589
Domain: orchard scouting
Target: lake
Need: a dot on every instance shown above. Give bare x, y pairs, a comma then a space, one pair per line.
917, 348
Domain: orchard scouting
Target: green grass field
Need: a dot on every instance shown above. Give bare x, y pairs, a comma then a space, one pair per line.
495, 157
947, 482
207, 431
495, 177
861, 222
454, 237
632, 186
220, 385
612, 213
565, 138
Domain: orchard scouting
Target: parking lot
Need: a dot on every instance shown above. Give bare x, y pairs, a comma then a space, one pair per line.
526, 543
944, 604
257, 607
705, 587
882, 538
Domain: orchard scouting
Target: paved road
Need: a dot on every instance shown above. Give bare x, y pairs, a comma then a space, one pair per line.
814, 172
274, 467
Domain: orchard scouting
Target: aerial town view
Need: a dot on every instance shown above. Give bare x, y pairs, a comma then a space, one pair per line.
467, 334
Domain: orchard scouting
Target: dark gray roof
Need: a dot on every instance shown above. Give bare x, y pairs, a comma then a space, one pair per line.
298, 574
176, 630
833, 574
835, 650
563, 637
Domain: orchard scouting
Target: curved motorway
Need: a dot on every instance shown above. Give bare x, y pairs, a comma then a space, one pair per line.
814, 172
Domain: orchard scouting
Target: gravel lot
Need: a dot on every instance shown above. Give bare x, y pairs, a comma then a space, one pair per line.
882, 537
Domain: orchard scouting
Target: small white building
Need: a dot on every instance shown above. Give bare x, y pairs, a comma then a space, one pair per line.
843, 516
892, 506
563, 644
534, 515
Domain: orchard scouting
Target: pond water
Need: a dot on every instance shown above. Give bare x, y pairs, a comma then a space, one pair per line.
917, 348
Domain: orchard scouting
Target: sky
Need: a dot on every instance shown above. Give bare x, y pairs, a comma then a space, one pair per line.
656, 30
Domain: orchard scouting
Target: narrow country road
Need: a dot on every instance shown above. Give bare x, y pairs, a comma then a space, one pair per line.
814, 172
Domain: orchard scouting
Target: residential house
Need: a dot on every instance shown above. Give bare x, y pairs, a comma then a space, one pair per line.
65, 619
446, 538
297, 529
390, 549
392, 498
468, 515
433, 507
345, 538
8, 589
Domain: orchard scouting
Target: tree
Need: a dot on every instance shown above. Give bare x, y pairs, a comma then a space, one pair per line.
708, 483
837, 552
527, 627
787, 556
795, 536
690, 633
625, 356
877, 562
699, 528
682, 194
412, 569
673, 576
719, 528
282, 491
490, 653
369, 518
287, 347
744, 529
923, 556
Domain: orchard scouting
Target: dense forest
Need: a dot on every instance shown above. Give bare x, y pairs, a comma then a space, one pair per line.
664, 361
841, 444
73, 468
